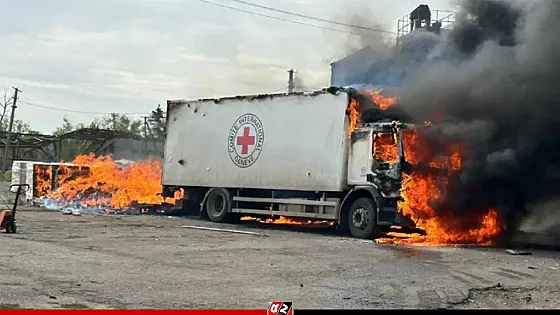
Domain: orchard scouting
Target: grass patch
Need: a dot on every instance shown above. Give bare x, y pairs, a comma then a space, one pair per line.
10, 307
6, 176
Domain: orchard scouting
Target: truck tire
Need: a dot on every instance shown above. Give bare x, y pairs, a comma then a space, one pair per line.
361, 219
218, 204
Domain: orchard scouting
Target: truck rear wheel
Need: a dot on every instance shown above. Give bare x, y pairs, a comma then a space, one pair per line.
218, 204
361, 219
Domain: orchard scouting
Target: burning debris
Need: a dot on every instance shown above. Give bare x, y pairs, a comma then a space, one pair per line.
288, 221
101, 185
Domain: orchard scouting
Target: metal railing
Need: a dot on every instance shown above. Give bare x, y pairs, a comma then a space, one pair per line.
442, 17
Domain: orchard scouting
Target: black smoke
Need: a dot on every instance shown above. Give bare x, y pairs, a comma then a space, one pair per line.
500, 93
485, 20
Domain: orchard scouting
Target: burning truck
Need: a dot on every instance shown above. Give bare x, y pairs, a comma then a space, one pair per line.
311, 156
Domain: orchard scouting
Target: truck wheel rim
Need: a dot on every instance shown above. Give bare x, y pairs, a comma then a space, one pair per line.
359, 218
217, 204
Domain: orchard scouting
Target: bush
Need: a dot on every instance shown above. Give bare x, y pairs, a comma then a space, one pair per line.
6, 176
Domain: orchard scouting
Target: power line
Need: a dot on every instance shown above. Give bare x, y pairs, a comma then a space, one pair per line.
78, 111
312, 17
287, 20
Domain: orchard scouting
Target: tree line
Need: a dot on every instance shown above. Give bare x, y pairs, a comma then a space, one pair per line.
150, 127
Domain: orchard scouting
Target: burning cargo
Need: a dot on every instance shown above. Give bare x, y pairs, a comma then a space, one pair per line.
40, 176
95, 184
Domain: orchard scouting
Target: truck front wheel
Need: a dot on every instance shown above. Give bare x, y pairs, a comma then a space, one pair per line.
218, 204
361, 219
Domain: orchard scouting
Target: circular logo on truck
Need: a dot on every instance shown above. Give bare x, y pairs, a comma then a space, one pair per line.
245, 140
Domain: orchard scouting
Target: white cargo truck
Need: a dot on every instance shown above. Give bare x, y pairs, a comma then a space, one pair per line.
290, 155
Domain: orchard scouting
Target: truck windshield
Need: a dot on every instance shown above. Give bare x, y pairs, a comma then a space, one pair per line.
385, 147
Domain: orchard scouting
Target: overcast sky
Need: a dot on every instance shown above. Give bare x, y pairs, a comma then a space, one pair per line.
130, 55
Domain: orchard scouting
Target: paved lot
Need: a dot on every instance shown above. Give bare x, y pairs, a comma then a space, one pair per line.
59, 261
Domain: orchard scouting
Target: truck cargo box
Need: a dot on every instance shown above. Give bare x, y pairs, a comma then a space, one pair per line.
279, 142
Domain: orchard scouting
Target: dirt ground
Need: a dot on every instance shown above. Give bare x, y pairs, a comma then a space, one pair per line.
60, 261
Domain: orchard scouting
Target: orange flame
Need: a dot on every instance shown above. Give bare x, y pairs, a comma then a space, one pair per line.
42, 185
287, 221
375, 96
384, 102
384, 147
421, 190
353, 115
106, 183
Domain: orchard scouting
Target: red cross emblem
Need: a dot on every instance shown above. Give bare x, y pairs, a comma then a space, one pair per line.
245, 140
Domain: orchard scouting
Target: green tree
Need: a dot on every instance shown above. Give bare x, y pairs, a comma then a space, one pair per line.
116, 122
120, 123
156, 124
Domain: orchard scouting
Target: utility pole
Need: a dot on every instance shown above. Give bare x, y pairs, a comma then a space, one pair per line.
9, 137
145, 134
291, 83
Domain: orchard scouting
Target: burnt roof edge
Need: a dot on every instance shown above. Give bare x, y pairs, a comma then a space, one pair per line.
330, 90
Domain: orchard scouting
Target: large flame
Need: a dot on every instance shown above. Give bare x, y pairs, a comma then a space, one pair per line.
427, 186
102, 182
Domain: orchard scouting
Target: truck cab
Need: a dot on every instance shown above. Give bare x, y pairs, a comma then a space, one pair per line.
376, 164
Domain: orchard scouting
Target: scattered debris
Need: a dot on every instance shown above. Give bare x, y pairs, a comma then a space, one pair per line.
517, 252
219, 230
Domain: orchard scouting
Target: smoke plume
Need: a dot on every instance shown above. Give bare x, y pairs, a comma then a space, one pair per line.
494, 86
381, 43
359, 37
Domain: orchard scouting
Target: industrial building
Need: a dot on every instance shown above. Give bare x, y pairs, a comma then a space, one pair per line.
370, 66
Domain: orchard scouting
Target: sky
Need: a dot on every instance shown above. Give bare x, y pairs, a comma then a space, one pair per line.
128, 56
